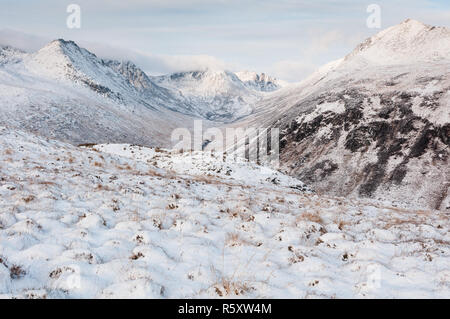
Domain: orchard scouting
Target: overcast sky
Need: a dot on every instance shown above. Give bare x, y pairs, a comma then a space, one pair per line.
285, 38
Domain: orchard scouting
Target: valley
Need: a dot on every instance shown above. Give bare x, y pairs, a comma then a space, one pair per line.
95, 201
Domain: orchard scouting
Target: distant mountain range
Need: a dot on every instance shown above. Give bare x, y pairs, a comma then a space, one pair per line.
70, 93
216, 94
210, 94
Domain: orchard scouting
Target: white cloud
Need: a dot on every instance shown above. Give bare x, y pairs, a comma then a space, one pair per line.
157, 64
152, 64
292, 70
23, 41
322, 42
162, 64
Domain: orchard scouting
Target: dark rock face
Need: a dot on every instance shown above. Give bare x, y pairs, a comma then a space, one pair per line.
308, 129
319, 171
365, 135
385, 141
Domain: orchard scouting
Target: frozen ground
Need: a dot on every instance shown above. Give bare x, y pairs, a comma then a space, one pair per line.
133, 222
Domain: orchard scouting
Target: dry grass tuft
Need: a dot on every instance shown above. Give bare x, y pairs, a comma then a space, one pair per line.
115, 205
45, 183
312, 217
392, 222
159, 150
101, 187
234, 239
137, 256
135, 217
172, 206
125, 167
89, 145
16, 272
229, 287
242, 212
29, 198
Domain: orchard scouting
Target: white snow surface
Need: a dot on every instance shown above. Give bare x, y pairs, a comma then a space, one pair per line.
126, 221
207, 163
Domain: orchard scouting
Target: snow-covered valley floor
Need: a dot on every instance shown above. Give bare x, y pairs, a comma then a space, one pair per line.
125, 221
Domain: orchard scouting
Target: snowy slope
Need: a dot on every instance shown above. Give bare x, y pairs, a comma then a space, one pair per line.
374, 124
147, 90
205, 164
79, 223
211, 94
10, 55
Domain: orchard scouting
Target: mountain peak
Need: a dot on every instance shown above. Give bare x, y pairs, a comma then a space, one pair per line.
60, 45
63, 42
410, 21
66, 47
408, 27
407, 42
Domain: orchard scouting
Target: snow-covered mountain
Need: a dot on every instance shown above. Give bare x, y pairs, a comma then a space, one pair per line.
122, 81
211, 94
260, 82
375, 123
67, 92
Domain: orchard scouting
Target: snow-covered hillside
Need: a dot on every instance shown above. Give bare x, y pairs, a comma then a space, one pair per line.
128, 221
211, 94
374, 124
